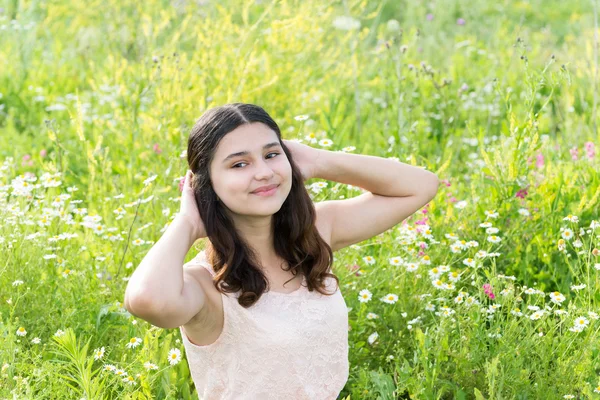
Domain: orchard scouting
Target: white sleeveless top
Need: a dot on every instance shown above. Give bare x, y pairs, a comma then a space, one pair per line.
285, 346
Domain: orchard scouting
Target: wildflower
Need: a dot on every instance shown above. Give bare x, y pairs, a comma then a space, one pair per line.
582, 322
557, 297
109, 367
36, 340
412, 267
494, 239
537, 315
390, 298
345, 23
517, 312
372, 338
130, 380
445, 311
364, 296
591, 151
147, 181
454, 276
134, 342
369, 260
567, 234
572, 218
460, 21
21, 331
469, 261
174, 356
539, 162
372, 316
434, 273
578, 287
574, 151
487, 288
521, 193
438, 284
98, 353
148, 365
59, 333
396, 260
120, 372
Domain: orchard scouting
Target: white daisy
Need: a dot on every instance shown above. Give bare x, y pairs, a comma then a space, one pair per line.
134, 342
390, 298
174, 356
364, 296
98, 353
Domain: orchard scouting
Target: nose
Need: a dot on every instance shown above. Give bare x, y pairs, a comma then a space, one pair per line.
263, 171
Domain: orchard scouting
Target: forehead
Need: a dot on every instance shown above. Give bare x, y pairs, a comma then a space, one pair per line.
248, 137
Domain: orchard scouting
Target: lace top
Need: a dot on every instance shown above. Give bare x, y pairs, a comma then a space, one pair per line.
285, 346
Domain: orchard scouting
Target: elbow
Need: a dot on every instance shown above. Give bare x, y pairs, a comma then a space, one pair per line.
433, 185
139, 305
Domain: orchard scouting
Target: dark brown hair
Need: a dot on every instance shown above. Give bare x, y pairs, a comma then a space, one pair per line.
296, 238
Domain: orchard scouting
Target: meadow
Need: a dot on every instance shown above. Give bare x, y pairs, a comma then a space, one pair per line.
490, 291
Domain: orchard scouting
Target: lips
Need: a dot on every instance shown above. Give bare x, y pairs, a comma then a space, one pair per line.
265, 188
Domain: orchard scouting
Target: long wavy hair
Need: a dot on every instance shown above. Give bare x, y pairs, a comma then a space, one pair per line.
296, 238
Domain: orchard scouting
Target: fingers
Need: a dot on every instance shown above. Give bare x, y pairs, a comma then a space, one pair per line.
185, 181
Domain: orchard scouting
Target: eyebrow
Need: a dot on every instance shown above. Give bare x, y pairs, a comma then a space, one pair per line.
244, 153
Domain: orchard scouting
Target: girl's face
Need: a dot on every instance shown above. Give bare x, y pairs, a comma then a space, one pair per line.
262, 162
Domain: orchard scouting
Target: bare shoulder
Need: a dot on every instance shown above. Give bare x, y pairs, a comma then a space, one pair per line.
206, 326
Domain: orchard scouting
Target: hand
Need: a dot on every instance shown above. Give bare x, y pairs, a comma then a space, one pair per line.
189, 208
305, 157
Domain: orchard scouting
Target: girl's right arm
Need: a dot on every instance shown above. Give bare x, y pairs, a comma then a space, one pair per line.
160, 290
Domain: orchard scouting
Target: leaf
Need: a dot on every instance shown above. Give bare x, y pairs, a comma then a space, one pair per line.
478, 395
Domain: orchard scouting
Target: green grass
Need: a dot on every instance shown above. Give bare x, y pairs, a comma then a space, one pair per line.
98, 96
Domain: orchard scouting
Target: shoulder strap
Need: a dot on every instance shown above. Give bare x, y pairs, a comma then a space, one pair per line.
200, 259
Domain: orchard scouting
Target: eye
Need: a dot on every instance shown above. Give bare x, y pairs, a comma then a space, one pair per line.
236, 165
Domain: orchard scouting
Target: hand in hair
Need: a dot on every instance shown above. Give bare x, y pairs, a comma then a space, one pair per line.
189, 208
305, 157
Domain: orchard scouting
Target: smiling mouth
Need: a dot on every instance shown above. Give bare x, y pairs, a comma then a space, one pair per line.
266, 192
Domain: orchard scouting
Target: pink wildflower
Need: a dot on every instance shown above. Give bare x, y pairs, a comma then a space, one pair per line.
591, 151
521, 193
487, 288
574, 153
540, 160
